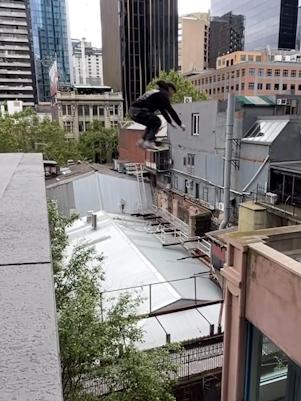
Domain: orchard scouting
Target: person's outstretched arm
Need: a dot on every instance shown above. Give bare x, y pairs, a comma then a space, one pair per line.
167, 109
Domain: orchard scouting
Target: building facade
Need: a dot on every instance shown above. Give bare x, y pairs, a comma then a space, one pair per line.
252, 74
77, 109
262, 358
16, 61
226, 36
142, 37
193, 42
51, 42
270, 23
87, 63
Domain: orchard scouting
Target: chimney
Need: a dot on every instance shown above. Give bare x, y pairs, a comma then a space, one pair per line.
94, 221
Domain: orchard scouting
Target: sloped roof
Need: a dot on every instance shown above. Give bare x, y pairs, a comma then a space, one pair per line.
255, 100
265, 131
135, 259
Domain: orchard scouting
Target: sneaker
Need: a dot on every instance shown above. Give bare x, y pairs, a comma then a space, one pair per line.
150, 145
140, 143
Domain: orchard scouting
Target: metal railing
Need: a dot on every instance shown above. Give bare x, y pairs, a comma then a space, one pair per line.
191, 362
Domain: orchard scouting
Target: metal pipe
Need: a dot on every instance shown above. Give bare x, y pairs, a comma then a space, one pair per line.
228, 160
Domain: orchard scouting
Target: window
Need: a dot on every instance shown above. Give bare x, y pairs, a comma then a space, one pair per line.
243, 72
68, 126
95, 111
284, 87
299, 87
258, 59
205, 194
101, 111
184, 161
268, 87
269, 72
277, 73
116, 109
243, 86
87, 110
293, 73
243, 57
299, 73
251, 85
190, 160
259, 87
261, 72
237, 74
276, 87
250, 58
252, 71
285, 73
195, 124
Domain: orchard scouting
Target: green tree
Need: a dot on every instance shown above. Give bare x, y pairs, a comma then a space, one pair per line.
184, 86
97, 341
25, 132
99, 144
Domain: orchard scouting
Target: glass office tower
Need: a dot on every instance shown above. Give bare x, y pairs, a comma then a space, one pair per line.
270, 23
51, 42
139, 40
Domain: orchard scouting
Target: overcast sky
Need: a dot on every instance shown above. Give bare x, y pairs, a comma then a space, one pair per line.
85, 17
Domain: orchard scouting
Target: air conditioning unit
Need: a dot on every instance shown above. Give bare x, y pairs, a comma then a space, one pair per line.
187, 99
282, 102
271, 198
220, 206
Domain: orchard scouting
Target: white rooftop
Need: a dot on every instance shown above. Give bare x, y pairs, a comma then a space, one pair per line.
135, 262
265, 131
138, 127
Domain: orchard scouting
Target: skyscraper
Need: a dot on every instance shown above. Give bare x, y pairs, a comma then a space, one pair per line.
193, 42
270, 23
140, 39
16, 62
87, 63
226, 36
51, 42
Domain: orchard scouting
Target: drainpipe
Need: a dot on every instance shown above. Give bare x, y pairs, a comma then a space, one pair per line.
228, 160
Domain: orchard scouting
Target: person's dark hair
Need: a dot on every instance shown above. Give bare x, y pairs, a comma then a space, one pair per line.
172, 86
163, 85
166, 85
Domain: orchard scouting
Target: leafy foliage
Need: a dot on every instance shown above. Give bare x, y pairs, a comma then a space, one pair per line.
99, 144
184, 86
98, 341
25, 132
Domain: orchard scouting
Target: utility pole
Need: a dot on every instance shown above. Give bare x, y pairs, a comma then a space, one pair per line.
228, 160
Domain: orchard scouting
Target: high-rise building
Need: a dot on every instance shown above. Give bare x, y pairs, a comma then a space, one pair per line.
16, 62
226, 36
270, 23
140, 39
87, 63
51, 41
193, 42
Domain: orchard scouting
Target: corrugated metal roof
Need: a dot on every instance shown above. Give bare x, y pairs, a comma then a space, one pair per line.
135, 259
265, 131
255, 100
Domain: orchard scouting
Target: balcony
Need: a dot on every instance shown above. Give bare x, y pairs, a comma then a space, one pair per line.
159, 161
10, 5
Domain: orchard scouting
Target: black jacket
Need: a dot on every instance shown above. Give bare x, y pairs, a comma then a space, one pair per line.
158, 100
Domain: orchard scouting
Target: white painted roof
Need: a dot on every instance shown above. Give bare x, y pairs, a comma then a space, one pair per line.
139, 127
265, 131
135, 258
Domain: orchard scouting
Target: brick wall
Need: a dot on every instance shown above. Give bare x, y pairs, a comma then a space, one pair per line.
127, 146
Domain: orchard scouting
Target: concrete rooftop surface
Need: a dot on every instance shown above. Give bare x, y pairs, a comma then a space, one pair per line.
29, 363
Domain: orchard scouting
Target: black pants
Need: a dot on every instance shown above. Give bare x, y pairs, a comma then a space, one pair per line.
147, 118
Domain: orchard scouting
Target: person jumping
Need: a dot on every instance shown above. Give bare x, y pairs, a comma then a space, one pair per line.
143, 111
